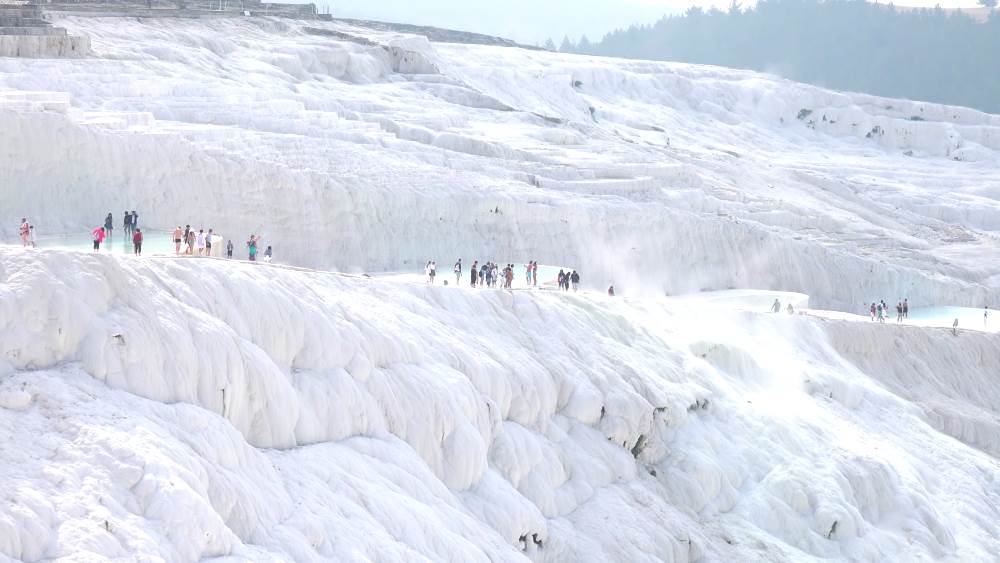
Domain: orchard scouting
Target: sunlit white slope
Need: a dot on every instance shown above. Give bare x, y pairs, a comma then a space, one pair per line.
364, 150
184, 409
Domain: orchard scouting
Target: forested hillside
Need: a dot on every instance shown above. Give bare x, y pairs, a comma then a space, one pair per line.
932, 54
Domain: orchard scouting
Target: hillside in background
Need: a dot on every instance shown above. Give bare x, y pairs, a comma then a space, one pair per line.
182, 409
927, 54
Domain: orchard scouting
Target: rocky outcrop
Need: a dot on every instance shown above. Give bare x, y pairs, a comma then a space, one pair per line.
24, 33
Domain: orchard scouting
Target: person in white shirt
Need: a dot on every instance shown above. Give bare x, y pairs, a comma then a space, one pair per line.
200, 241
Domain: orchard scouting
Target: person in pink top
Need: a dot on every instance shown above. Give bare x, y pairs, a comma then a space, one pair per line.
98, 234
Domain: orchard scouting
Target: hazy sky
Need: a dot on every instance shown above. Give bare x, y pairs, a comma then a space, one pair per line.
531, 21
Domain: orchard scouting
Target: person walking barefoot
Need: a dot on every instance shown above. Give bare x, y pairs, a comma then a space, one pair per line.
137, 242
177, 240
98, 235
25, 231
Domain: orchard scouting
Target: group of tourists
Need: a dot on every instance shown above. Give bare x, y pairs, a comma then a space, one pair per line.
192, 241
566, 279
879, 311
187, 241
27, 233
130, 231
490, 274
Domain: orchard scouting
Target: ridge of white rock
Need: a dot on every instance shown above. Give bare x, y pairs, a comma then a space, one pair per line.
183, 409
366, 150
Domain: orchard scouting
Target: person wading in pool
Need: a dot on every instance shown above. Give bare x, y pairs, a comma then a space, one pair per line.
98, 235
178, 233
25, 231
137, 242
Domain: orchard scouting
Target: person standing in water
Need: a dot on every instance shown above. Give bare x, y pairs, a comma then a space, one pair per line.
98, 235
177, 240
790, 309
31, 236
611, 291
534, 273
135, 220
574, 278
126, 224
25, 231
201, 242
208, 243
986, 315
268, 254
899, 312
881, 314
776, 306
137, 242
906, 308
458, 271
872, 311
954, 328
474, 273
109, 223
229, 249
